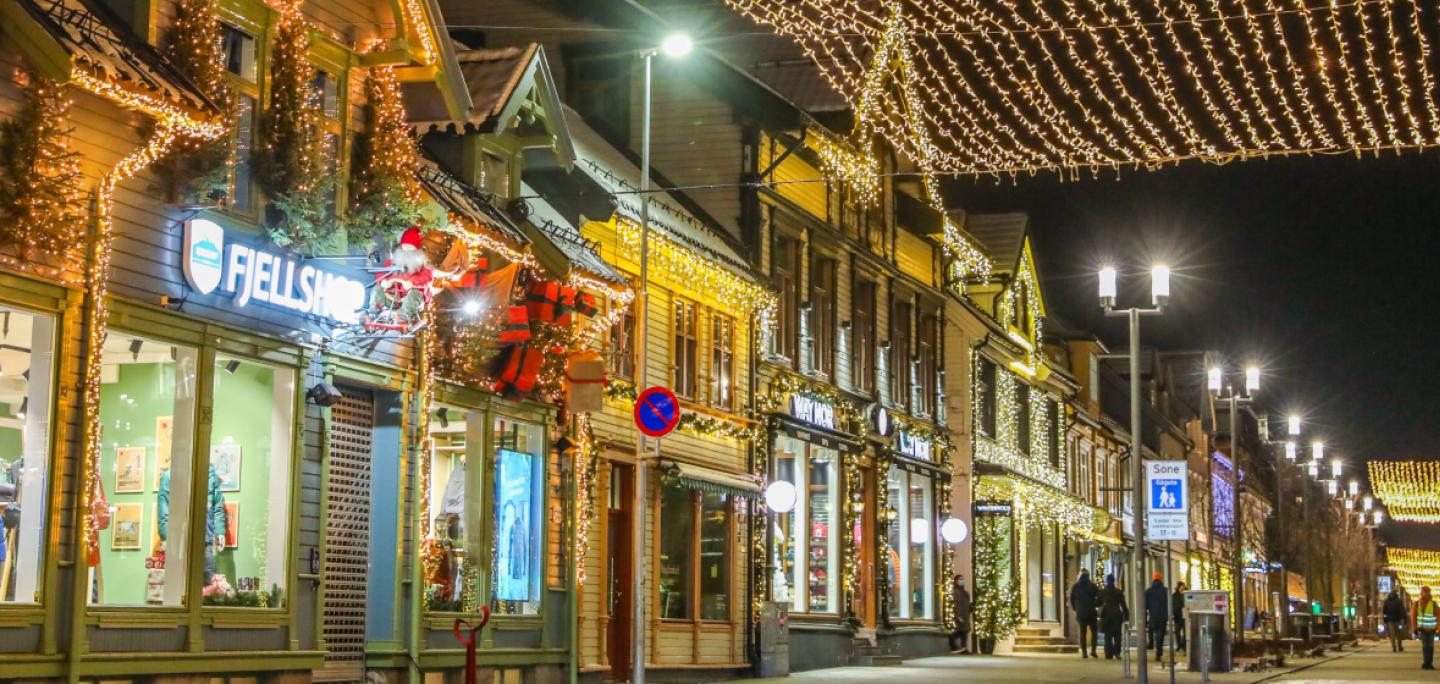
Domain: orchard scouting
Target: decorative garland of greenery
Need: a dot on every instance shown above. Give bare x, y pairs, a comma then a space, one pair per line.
42, 202
997, 599
198, 171
847, 416
387, 195
937, 436
293, 165
623, 392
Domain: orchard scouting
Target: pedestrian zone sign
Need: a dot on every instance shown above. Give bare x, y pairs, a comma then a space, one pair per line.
1167, 513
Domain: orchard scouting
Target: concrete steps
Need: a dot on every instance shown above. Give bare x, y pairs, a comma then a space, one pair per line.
867, 655
1033, 639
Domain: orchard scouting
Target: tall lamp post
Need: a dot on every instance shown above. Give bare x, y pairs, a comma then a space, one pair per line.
1159, 296
1220, 387
675, 45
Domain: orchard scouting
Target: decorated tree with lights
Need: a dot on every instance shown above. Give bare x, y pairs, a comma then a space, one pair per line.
387, 195
293, 164
42, 201
197, 171
997, 594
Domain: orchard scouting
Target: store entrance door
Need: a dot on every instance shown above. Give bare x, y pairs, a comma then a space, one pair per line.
864, 542
619, 552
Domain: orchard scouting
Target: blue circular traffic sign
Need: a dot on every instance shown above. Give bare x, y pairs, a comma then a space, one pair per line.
657, 411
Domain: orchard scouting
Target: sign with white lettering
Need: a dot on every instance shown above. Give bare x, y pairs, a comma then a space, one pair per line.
1167, 510
254, 274
993, 508
914, 447
813, 411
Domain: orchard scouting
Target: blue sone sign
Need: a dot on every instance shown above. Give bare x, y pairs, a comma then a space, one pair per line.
1167, 510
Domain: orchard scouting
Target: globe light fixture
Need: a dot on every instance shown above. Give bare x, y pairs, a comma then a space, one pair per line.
919, 531
780, 496
677, 45
471, 307
954, 530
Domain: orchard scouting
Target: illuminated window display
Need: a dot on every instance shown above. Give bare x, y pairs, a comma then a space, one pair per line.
147, 410
694, 555
519, 518
27, 342
911, 534
247, 483
454, 435
806, 547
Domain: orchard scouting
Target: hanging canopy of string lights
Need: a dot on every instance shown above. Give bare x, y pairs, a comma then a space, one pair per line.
1071, 86
1410, 489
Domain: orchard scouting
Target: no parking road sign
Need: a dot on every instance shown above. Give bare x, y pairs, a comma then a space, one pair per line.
1167, 509
657, 411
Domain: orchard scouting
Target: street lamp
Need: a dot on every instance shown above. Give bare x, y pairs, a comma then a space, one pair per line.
1290, 450
1379, 514
1294, 425
1159, 296
1314, 469
675, 46
1335, 467
1252, 385
1369, 503
1354, 488
1317, 450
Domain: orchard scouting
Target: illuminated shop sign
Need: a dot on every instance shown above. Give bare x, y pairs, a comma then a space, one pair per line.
813, 411
993, 508
914, 447
253, 274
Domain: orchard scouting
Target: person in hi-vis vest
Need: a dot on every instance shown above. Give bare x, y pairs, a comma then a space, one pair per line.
1426, 614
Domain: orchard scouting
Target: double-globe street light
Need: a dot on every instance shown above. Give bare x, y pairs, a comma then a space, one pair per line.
1159, 296
1217, 383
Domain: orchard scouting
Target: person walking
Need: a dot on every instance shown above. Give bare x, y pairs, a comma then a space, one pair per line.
1177, 614
1395, 620
962, 606
1157, 613
1084, 599
1113, 616
1425, 620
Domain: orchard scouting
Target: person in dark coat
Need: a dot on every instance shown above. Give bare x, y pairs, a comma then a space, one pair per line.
962, 618
1113, 616
1084, 599
1157, 613
1177, 614
1395, 621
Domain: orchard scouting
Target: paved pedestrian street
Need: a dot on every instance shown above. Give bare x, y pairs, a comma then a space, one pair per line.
1369, 663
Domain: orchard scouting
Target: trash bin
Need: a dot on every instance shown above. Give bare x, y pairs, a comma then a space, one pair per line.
1299, 626
774, 640
1219, 634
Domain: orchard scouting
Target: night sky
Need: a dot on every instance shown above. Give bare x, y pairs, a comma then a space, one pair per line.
1322, 270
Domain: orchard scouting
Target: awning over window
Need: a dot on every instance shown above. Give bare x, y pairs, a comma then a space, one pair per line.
709, 480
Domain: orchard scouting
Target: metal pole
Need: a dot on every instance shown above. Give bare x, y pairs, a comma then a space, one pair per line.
1125, 648
1282, 615
639, 568
1205, 652
1239, 531
1137, 471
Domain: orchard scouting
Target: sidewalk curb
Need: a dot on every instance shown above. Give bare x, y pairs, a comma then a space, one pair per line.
1317, 663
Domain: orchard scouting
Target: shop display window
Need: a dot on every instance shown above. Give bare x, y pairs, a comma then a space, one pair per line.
695, 533
910, 498
246, 521
147, 413
714, 556
455, 442
677, 530
806, 549
27, 343
519, 518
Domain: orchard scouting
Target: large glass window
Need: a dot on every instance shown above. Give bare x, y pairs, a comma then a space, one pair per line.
247, 484
147, 409
785, 273
27, 360
722, 361
455, 436
899, 360
519, 517
695, 532
684, 356
822, 313
807, 542
862, 342
911, 534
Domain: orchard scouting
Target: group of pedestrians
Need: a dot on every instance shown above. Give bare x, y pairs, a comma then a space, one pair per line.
1106, 609
1421, 619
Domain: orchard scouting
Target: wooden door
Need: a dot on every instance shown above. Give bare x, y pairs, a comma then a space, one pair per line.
618, 575
864, 531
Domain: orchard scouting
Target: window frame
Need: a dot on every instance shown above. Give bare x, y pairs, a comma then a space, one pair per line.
254, 90
722, 368
988, 381
823, 295
927, 347
901, 343
864, 343
620, 362
785, 276
694, 594
685, 347
1024, 407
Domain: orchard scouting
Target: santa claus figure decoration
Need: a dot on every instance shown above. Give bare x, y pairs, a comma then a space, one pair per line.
404, 287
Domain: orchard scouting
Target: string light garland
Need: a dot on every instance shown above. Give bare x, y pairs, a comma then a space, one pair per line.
1409, 489
586, 462
1076, 85
387, 194
42, 201
682, 268
197, 170
968, 263
1414, 568
997, 590
1003, 448
1038, 504
415, 19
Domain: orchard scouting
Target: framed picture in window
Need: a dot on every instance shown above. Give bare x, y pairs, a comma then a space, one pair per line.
129, 470
225, 459
126, 525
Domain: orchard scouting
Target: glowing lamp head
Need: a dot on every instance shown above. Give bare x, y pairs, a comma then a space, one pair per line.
1369, 502
1332, 487
780, 496
1349, 504
1290, 451
919, 531
954, 530
1294, 422
1379, 516
1160, 285
1252, 380
1336, 466
677, 45
1107, 286
1317, 450
471, 307
1354, 488
1314, 469
1214, 379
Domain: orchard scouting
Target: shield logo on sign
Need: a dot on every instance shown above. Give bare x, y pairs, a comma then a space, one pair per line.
204, 252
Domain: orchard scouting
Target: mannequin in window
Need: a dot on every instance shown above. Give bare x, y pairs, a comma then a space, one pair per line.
215, 522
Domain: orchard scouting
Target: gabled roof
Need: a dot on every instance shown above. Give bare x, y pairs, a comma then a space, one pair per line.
500, 81
97, 42
464, 199
564, 234
1001, 237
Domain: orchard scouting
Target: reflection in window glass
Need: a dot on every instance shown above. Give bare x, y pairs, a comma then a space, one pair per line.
714, 556
895, 506
518, 518
451, 444
911, 533
806, 550
147, 409
247, 484
26, 363
677, 532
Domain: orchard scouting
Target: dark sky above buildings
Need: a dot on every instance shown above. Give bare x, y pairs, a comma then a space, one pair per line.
1323, 270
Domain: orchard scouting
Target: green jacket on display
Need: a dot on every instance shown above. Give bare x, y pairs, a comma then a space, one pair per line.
214, 516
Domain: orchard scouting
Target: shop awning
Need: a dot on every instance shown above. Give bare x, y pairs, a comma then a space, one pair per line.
709, 480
